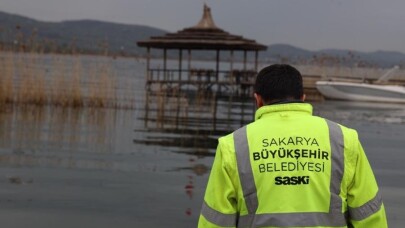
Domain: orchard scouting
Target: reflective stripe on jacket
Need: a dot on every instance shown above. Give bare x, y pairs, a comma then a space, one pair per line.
291, 169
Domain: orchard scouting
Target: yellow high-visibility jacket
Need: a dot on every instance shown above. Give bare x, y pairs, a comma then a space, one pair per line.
291, 169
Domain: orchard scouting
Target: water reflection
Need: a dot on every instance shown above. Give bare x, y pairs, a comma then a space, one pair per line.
56, 137
197, 169
189, 191
361, 111
190, 122
54, 161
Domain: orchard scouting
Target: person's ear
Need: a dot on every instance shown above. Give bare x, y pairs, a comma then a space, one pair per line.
303, 97
259, 100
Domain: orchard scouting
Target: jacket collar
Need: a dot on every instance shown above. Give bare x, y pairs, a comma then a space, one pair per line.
283, 107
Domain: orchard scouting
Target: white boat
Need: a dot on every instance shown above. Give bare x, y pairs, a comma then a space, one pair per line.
355, 91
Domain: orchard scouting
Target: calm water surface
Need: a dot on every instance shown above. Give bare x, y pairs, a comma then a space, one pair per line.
122, 168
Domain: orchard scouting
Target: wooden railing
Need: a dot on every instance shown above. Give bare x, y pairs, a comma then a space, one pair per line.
234, 77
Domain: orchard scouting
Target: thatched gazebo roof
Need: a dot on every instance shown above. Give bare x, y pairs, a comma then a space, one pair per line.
203, 36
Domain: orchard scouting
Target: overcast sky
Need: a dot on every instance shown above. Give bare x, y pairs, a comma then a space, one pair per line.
363, 25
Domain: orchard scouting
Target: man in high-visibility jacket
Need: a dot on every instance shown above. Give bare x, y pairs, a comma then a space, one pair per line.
289, 168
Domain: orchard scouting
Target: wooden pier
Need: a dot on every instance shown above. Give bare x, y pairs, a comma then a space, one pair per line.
205, 36
235, 83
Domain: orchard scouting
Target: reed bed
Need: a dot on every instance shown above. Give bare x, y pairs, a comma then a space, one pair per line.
57, 80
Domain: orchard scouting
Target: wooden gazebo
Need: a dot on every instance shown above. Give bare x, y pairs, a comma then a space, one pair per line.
203, 36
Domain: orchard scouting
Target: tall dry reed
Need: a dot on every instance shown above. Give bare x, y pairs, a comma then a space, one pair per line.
40, 79
101, 87
6, 80
74, 94
31, 81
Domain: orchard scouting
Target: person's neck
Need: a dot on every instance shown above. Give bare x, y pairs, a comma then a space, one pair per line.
283, 101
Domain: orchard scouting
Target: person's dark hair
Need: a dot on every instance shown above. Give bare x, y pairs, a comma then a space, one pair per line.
279, 82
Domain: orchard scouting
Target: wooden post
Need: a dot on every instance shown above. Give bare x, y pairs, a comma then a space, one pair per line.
231, 79
244, 59
189, 64
164, 64
147, 86
244, 76
256, 69
180, 65
217, 67
179, 88
147, 64
146, 108
214, 122
242, 106
229, 110
256, 60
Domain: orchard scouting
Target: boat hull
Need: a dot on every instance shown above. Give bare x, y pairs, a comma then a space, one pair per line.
361, 91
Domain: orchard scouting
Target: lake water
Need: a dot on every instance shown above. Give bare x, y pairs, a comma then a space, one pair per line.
101, 168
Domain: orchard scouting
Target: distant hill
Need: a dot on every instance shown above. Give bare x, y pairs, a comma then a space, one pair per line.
83, 35
284, 50
288, 53
89, 36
